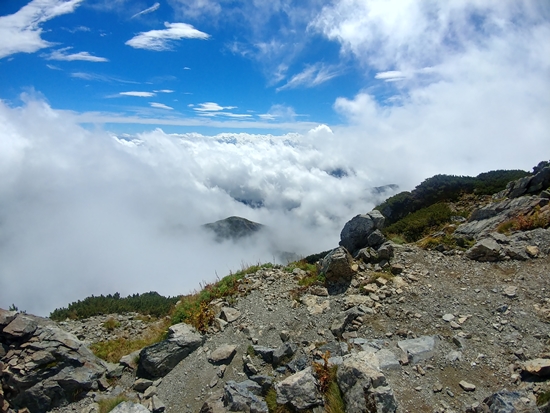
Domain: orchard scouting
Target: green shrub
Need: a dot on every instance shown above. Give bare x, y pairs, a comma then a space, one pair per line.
420, 223
151, 303
194, 308
106, 405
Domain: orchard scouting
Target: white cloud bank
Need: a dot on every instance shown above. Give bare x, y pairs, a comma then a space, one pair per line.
21, 32
160, 40
148, 10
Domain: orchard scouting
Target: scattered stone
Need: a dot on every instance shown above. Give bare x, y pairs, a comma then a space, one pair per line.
244, 397
130, 407
448, 317
300, 390
539, 367
467, 386
418, 349
223, 354
230, 314
510, 291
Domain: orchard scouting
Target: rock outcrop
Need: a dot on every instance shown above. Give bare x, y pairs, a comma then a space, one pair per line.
43, 365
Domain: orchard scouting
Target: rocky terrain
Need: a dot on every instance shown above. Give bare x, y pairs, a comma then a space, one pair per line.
409, 329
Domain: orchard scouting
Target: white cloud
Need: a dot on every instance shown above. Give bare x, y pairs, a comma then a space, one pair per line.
211, 107
312, 75
137, 94
196, 8
148, 10
100, 78
160, 40
390, 76
52, 67
160, 106
21, 32
404, 35
164, 91
85, 56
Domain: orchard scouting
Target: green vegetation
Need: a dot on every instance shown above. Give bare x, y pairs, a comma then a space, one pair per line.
525, 222
150, 303
113, 350
313, 276
329, 386
106, 405
445, 188
194, 308
543, 398
110, 324
420, 223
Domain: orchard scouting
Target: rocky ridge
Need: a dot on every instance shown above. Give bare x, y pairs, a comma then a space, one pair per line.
410, 331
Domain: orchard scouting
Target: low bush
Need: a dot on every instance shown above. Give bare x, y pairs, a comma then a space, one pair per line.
106, 405
194, 308
113, 350
420, 223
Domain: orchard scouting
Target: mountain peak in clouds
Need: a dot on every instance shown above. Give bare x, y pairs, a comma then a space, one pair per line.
233, 228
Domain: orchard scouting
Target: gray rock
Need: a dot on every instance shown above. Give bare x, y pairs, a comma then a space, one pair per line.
355, 233
300, 390
385, 252
140, 385
505, 402
230, 314
364, 387
339, 324
418, 349
387, 360
22, 325
223, 354
375, 239
337, 266
129, 407
486, 250
265, 381
538, 367
157, 360
244, 397
6, 317
214, 404
130, 360
285, 351
49, 367
266, 353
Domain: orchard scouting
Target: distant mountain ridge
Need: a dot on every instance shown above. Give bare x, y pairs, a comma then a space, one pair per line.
233, 228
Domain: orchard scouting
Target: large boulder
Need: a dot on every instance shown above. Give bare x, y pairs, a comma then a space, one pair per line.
364, 386
300, 390
358, 232
157, 360
337, 266
46, 367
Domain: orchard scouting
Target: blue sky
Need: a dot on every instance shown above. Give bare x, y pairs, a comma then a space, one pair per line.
125, 125
209, 61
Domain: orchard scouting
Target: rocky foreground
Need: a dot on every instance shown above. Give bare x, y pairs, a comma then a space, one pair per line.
409, 330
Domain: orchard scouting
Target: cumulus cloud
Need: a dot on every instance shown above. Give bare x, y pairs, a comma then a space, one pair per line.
61, 54
414, 35
138, 94
148, 10
160, 40
21, 32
